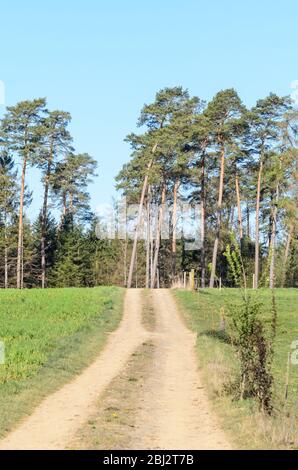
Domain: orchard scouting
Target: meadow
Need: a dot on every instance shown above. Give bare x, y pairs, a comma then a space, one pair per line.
49, 336
203, 312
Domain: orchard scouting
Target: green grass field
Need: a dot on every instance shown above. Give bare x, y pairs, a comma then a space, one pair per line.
219, 365
49, 336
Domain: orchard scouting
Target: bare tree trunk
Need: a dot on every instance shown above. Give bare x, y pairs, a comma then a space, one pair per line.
219, 207
44, 222
124, 261
64, 210
136, 273
157, 278
157, 239
239, 208
286, 256
174, 228
270, 224
148, 242
135, 241
257, 235
203, 223
22, 262
151, 253
20, 232
5, 256
247, 220
272, 244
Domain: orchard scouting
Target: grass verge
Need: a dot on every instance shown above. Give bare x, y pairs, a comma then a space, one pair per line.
247, 427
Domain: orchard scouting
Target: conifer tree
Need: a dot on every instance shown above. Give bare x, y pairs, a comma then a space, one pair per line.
55, 144
21, 127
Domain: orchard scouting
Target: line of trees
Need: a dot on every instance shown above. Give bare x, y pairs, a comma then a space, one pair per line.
241, 166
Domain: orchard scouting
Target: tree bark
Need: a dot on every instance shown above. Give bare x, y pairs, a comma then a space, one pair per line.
286, 256
141, 204
20, 231
148, 241
272, 244
203, 223
247, 220
124, 262
5, 256
44, 220
257, 235
219, 207
157, 239
239, 207
174, 228
151, 252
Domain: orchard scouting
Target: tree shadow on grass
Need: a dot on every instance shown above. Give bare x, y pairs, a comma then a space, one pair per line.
219, 335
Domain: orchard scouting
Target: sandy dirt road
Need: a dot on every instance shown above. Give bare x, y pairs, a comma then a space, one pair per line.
173, 411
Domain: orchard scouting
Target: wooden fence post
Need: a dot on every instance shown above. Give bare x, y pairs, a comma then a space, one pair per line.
192, 279
287, 378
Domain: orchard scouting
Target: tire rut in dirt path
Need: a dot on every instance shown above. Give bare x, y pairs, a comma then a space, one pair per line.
55, 421
174, 411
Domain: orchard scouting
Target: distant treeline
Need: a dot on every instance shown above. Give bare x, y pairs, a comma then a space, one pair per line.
240, 165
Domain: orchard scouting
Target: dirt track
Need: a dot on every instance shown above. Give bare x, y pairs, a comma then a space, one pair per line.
174, 412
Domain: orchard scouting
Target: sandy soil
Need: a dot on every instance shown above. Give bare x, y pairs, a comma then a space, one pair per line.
175, 413
173, 410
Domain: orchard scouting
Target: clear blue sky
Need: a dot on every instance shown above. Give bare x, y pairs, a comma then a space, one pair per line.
102, 60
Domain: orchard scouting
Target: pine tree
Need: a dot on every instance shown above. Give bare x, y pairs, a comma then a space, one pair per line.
55, 143
21, 128
8, 206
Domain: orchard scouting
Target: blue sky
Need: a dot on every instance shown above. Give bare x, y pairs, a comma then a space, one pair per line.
102, 60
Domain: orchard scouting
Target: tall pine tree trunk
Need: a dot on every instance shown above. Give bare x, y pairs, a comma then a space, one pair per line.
219, 209
257, 230
151, 251
20, 231
158, 235
203, 223
247, 220
44, 215
64, 210
22, 262
239, 207
141, 204
148, 241
273, 238
286, 256
5, 255
174, 229
135, 241
125, 261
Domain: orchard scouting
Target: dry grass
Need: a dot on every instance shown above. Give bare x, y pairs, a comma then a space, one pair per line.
218, 373
148, 313
247, 427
